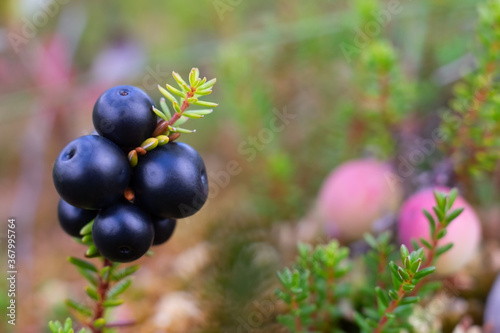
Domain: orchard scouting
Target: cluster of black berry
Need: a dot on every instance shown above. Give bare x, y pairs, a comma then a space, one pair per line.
92, 174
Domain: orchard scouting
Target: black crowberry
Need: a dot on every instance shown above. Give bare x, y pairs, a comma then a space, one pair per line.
164, 228
91, 172
171, 181
72, 219
123, 115
122, 232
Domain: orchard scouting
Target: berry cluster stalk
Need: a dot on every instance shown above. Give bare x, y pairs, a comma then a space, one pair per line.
102, 290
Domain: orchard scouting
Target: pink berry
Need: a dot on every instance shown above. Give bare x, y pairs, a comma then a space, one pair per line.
464, 232
355, 195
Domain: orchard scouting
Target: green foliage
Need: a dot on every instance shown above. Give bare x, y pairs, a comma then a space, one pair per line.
384, 95
57, 327
471, 129
119, 288
168, 128
313, 286
393, 305
189, 94
320, 280
377, 271
83, 264
124, 272
79, 307
106, 284
87, 229
444, 216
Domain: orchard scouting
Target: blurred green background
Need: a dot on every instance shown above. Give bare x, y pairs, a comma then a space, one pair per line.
292, 107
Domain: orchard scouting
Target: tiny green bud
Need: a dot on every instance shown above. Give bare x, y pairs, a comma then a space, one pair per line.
207, 85
162, 140
194, 76
54, 327
92, 251
132, 158
150, 144
68, 324
407, 262
416, 265
197, 83
87, 229
202, 82
92, 293
393, 294
180, 81
404, 275
105, 272
87, 239
176, 107
404, 252
99, 323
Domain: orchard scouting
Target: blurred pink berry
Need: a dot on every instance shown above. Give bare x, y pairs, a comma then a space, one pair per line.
355, 195
464, 232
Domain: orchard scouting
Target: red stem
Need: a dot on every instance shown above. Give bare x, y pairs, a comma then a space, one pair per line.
462, 140
298, 324
392, 306
121, 324
162, 126
102, 290
381, 268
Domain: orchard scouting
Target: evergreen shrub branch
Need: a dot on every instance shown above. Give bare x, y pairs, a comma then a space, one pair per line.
105, 285
471, 131
107, 281
319, 282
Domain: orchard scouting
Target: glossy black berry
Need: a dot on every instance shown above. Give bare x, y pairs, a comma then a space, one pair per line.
123, 232
164, 228
91, 172
72, 219
171, 181
123, 114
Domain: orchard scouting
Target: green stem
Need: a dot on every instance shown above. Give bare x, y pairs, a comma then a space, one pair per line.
429, 260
